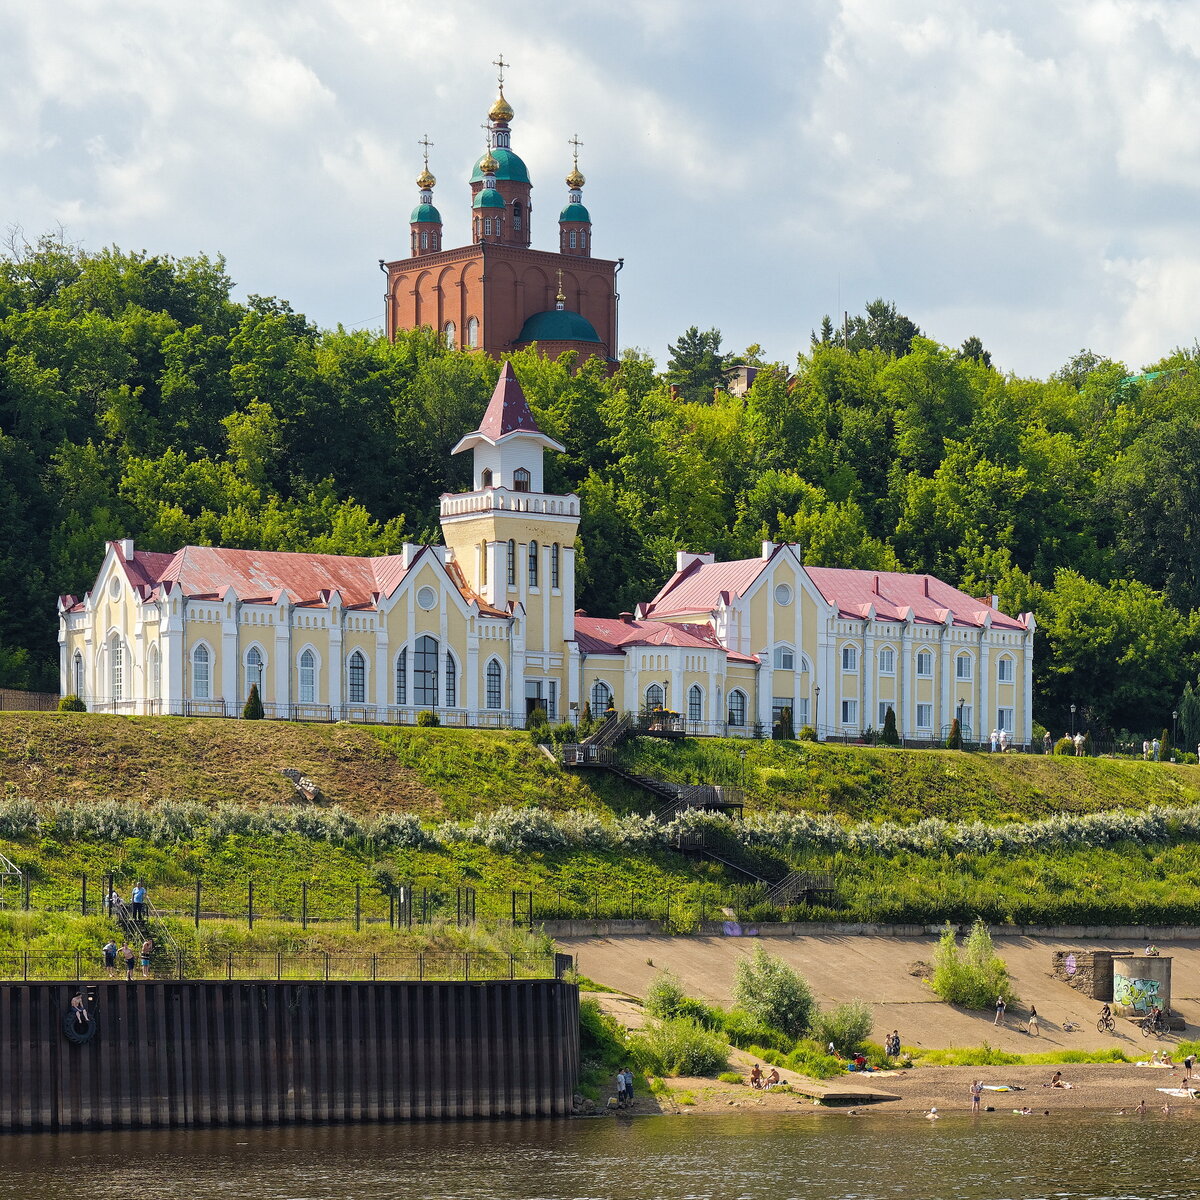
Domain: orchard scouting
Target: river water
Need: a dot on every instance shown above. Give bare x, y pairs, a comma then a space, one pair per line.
995, 1157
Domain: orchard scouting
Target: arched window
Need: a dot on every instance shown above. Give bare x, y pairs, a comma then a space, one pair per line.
356, 678
201, 673
424, 239
402, 678
485, 477
963, 667
554, 565
308, 677
654, 697
601, 697
925, 664
254, 670
154, 669
77, 673
695, 703
849, 658
495, 685
1005, 672
785, 659
510, 563
451, 681
533, 563
516, 215
737, 708
450, 330
521, 480
583, 239
487, 226
887, 661
473, 333
116, 668
571, 239
425, 673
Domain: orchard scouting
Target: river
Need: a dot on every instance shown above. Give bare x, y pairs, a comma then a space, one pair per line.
994, 1157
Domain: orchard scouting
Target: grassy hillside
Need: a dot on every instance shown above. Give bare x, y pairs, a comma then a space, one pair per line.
431, 772
864, 783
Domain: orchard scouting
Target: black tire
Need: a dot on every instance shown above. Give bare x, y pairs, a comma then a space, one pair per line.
1147, 1027
73, 1033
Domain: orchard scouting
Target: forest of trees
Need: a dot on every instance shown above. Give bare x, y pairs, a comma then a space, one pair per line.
138, 399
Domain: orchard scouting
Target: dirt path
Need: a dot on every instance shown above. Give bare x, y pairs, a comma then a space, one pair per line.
878, 970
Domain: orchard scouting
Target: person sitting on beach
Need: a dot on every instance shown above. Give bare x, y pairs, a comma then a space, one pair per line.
773, 1079
1167, 1060
756, 1076
1058, 1081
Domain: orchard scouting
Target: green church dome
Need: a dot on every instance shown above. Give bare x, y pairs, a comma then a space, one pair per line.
489, 198
558, 325
426, 212
511, 167
575, 212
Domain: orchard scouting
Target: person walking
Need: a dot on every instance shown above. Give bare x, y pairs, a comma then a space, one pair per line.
1000, 1007
995, 740
139, 901
1033, 1022
110, 957
976, 1093
1047, 743
1155, 748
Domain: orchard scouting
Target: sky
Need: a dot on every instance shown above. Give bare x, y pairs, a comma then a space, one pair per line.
1025, 171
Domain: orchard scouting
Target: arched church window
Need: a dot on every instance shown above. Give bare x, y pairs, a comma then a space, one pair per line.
116, 668
356, 674
451, 681
308, 677
201, 679
695, 703
601, 697
450, 330
654, 697
402, 678
487, 226
521, 480
425, 673
516, 214
495, 685
473, 333
533, 563
77, 663
424, 239
254, 670
583, 239
554, 565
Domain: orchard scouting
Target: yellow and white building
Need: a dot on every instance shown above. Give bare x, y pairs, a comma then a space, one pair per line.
484, 628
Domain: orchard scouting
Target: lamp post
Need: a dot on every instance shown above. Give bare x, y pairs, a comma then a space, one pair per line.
962, 700
1072, 720
817, 712
1174, 739
742, 772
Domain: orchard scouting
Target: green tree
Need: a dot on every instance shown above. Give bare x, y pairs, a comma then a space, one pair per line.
696, 366
769, 990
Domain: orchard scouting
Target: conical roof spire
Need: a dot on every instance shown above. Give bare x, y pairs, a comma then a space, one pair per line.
508, 413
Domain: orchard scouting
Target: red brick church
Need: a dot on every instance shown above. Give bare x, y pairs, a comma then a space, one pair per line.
498, 294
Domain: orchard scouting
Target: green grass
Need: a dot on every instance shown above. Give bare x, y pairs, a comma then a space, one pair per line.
866, 783
989, 1056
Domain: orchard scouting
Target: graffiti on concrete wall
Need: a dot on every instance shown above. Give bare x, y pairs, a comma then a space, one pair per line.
1138, 994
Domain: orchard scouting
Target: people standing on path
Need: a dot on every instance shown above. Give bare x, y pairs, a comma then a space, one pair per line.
976, 1093
621, 1088
1188, 1064
110, 957
1145, 750
139, 901
1033, 1022
1047, 743
127, 957
1078, 745
1004, 741
995, 740
1155, 748
1000, 1007
628, 1087
147, 954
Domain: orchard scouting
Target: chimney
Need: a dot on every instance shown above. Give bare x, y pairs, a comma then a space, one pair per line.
581, 612
925, 585
995, 602
768, 548
627, 617
408, 553
126, 545
875, 586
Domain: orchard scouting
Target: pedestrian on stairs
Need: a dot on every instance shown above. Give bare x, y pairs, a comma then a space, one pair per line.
147, 954
127, 957
139, 901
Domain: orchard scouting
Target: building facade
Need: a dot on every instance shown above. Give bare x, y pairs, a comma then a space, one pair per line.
484, 628
498, 293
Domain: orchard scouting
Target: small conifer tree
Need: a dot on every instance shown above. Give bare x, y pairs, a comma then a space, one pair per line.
253, 710
954, 741
890, 737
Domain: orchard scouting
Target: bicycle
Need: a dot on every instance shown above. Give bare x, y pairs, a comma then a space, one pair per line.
1106, 1025
1156, 1025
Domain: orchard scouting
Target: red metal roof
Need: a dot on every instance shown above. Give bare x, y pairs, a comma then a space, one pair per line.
604, 635
508, 411
698, 587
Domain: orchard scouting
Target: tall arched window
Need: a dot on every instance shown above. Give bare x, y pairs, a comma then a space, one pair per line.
425, 673
487, 226
451, 681
308, 677
473, 333
516, 215
77, 672
963, 667
495, 685
511, 563
254, 670
533, 563
154, 671
601, 697
201, 673
695, 703
356, 678
116, 668
555, 554
737, 708
654, 697
424, 239
521, 480
450, 330
402, 678
583, 239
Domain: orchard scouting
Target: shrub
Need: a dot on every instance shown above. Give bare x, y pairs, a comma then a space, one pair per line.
783, 729
253, 710
1064, 745
847, 1026
743, 1029
954, 741
767, 988
807, 734
665, 996
71, 703
427, 719
537, 718
890, 736
730, 1077
564, 731
973, 977
679, 1047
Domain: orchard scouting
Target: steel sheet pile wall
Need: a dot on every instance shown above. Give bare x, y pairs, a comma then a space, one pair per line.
214, 1053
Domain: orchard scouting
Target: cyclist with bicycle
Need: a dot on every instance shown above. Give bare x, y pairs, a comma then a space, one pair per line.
1105, 1021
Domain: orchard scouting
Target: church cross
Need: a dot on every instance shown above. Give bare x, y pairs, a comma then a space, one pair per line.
500, 64
575, 143
426, 143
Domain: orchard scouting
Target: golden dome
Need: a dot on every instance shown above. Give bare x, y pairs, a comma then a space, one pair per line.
425, 180
488, 164
575, 179
501, 110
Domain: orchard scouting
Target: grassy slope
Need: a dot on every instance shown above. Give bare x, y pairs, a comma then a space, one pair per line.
862, 783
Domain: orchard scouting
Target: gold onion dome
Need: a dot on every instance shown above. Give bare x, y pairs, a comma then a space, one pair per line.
425, 180
501, 110
488, 164
575, 179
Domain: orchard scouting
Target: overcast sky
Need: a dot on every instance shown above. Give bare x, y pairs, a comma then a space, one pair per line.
1023, 170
